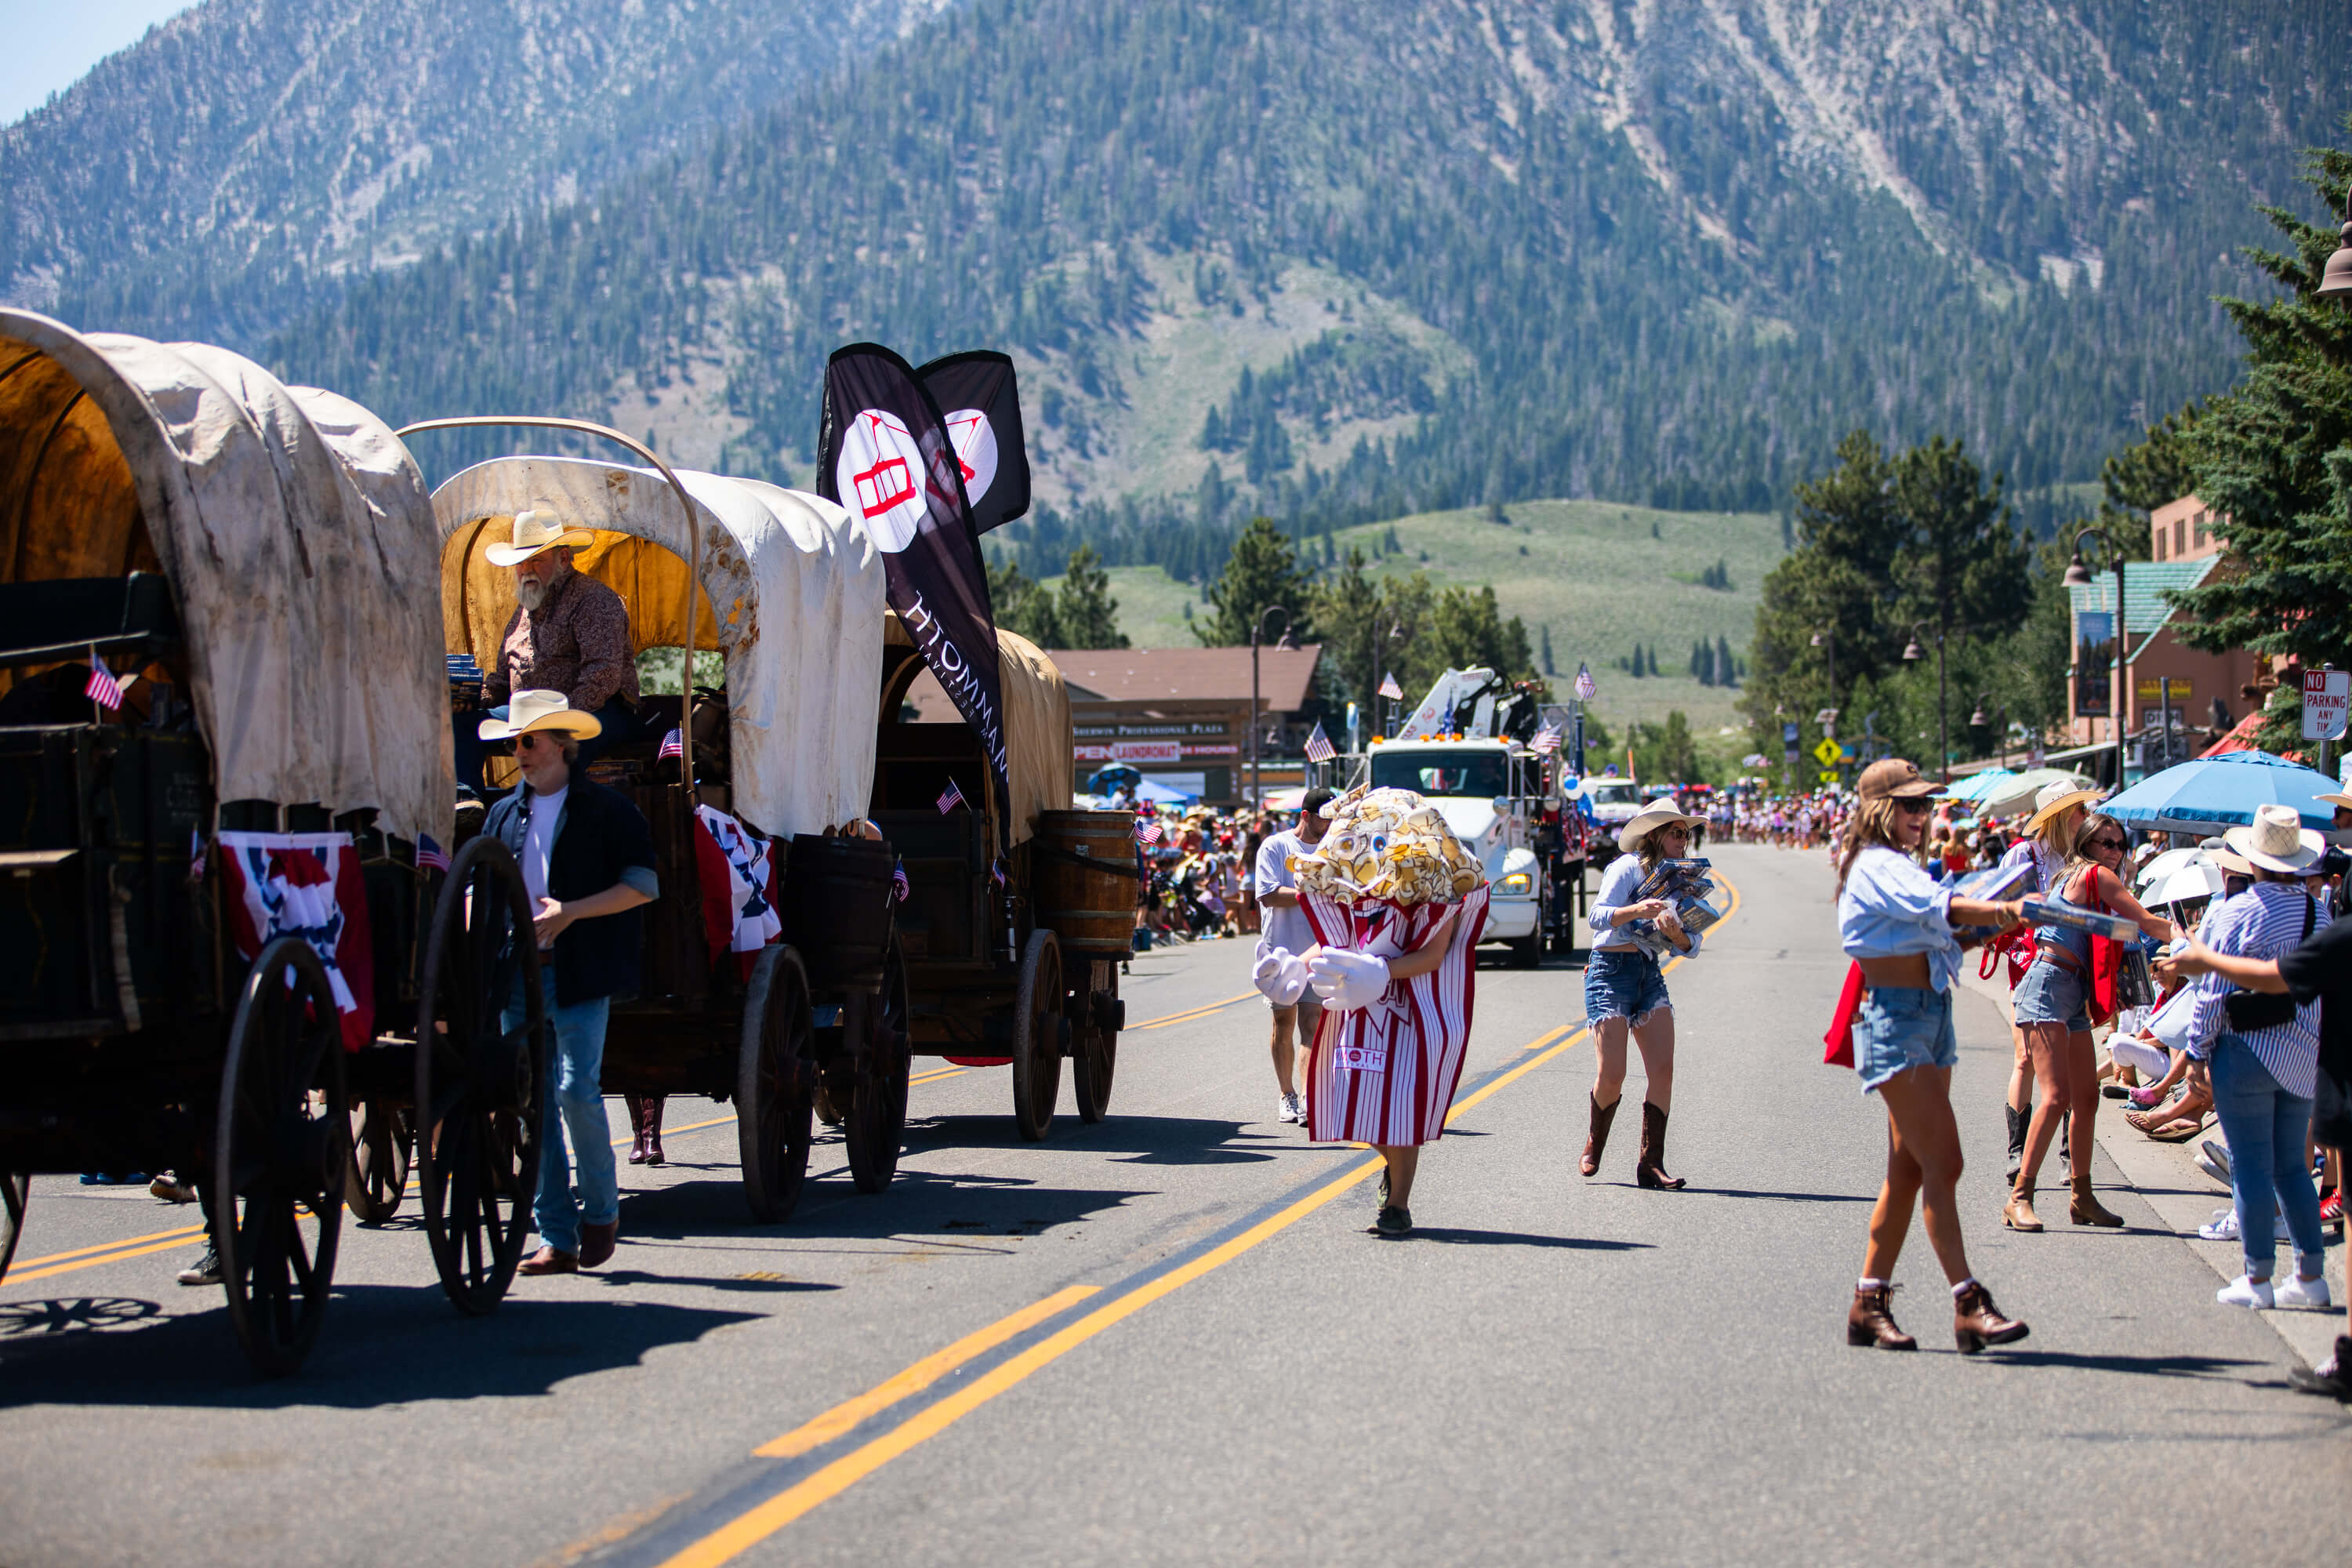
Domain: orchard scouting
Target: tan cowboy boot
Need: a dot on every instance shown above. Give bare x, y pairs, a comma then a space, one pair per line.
1977, 1322
2018, 1213
2083, 1208
1871, 1321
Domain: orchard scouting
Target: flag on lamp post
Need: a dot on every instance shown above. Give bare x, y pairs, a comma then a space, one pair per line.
1547, 740
1390, 690
1584, 687
1319, 745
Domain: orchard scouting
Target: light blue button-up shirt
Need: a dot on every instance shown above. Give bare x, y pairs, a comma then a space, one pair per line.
1892, 909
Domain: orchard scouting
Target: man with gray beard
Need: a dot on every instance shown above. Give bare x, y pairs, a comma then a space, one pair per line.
569, 634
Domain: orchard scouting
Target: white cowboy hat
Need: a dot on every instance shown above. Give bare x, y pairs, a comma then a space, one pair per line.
540, 710
2343, 800
2055, 798
1655, 816
535, 531
2277, 841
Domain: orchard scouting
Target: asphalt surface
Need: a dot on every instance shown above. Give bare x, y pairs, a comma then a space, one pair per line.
1208, 1357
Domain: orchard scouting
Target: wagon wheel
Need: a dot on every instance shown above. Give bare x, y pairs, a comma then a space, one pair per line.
1037, 1036
279, 1155
877, 1107
15, 1190
378, 1177
775, 1085
481, 1088
1095, 1055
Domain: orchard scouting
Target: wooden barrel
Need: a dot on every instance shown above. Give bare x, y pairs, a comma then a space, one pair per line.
1081, 871
836, 907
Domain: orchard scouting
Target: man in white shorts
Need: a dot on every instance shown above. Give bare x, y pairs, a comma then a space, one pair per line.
1286, 927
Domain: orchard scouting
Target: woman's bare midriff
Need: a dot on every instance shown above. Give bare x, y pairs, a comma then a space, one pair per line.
1910, 972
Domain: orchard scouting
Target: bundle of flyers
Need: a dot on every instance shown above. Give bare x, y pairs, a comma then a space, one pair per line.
1992, 885
1684, 884
2059, 913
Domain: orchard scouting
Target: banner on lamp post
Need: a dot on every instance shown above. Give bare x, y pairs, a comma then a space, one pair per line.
2094, 652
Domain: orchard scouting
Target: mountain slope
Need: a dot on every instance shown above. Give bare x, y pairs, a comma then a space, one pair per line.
271, 140
1664, 251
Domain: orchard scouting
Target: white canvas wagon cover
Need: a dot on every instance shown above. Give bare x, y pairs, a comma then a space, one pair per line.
793, 595
295, 531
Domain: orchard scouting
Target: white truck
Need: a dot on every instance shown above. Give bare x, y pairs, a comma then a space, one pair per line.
1459, 748
1614, 802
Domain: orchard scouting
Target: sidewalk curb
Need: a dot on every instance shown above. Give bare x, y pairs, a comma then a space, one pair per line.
2165, 1175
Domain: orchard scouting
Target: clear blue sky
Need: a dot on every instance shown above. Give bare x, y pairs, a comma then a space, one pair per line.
52, 43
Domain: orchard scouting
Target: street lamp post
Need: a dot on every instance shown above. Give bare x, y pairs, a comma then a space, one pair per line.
1978, 720
1257, 635
2078, 576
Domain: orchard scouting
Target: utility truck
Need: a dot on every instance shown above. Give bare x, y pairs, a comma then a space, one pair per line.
1464, 748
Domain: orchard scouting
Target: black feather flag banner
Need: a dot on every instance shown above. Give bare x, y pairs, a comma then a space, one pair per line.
981, 401
884, 452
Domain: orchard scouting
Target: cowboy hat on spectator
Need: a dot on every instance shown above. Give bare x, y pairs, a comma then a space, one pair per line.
1658, 813
533, 532
2277, 841
2055, 798
540, 710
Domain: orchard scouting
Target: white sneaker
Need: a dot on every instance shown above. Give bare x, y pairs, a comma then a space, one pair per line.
1287, 1109
2222, 1226
2296, 1291
2244, 1292
1299, 1108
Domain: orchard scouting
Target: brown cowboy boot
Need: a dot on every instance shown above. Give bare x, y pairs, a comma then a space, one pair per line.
2083, 1208
1598, 1138
653, 1118
1649, 1165
1977, 1322
1871, 1321
636, 1129
2018, 1213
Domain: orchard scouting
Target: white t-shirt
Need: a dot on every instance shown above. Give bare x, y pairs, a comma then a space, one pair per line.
539, 841
1285, 928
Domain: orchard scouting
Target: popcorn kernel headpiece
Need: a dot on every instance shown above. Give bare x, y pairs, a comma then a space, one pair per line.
1389, 845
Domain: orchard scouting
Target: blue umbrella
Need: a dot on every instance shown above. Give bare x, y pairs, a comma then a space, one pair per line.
1974, 786
2211, 793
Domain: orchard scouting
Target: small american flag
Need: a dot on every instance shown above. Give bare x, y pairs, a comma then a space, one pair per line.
996, 871
1319, 745
673, 744
1390, 690
1547, 740
430, 856
899, 888
951, 797
101, 687
1147, 832
1584, 687
195, 855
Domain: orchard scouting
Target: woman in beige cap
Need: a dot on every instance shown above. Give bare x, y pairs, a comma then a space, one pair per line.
1895, 921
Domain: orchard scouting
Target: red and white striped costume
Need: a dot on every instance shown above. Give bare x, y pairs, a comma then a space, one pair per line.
1423, 1024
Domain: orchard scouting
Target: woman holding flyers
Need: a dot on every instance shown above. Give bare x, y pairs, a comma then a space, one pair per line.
2053, 1004
1895, 923
1625, 989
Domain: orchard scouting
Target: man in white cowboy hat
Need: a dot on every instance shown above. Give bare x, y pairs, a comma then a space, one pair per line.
569, 634
588, 863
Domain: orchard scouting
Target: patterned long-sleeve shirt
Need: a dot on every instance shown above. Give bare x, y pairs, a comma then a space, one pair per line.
2263, 921
577, 642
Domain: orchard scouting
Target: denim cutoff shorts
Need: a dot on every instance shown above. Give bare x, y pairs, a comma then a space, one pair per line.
2049, 994
1623, 983
1901, 1028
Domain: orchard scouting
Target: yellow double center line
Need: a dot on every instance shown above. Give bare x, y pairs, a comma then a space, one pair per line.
764, 1519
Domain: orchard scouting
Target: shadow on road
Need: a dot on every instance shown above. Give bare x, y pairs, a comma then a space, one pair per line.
379, 1345
1146, 1140
1787, 1197
1520, 1238
2191, 1366
709, 1213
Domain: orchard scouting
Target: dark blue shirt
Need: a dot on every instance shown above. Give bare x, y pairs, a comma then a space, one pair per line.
600, 839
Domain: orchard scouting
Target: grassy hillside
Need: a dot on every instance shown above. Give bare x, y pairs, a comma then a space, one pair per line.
1598, 575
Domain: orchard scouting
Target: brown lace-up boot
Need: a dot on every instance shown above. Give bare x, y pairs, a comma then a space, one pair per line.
1650, 1165
1598, 1139
1871, 1321
1977, 1322
2084, 1207
2018, 1213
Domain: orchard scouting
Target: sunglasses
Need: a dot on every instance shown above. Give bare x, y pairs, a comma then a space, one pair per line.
2109, 844
530, 737
1915, 805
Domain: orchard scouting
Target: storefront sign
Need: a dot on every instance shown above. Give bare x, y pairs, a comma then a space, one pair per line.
1214, 749
1086, 753
1148, 752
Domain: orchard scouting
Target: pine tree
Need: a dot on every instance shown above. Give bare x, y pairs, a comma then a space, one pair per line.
1022, 606
1261, 570
1083, 612
1726, 670
1549, 667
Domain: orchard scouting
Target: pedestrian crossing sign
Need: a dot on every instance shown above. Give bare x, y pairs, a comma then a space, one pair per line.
1827, 752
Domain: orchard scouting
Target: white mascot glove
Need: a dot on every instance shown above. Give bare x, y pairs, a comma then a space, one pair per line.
1347, 982
1279, 974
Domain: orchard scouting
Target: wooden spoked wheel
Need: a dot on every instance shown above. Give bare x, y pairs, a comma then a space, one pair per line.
1037, 1036
378, 1177
280, 1154
16, 1191
1094, 1056
878, 1108
775, 1085
481, 1077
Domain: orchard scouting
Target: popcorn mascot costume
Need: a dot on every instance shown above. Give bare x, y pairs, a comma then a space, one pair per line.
1396, 903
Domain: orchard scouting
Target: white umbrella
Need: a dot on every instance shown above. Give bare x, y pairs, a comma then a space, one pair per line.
2014, 795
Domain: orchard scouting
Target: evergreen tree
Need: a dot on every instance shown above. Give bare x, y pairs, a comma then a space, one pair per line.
1022, 606
1726, 672
1549, 667
1357, 650
1083, 612
2274, 459
1958, 563
1261, 570
1468, 632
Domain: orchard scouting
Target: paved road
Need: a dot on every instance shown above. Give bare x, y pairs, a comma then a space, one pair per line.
1169, 1337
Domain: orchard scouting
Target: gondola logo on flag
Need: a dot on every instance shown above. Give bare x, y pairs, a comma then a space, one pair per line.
1319, 745
101, 687
306, 885
951, 797
1390, 690
975, 450
880, 474
1584, 687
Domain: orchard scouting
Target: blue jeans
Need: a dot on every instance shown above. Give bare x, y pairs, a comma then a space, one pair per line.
1622, 982
575, 1105
2049, 994
1902, 1028
2265, 1126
